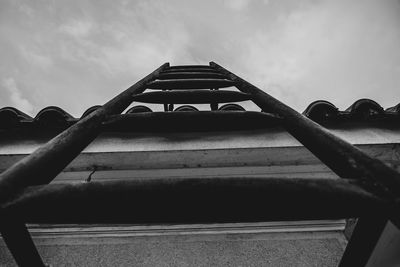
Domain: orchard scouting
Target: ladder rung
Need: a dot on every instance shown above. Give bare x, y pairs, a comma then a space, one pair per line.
187, 121
190, 70
190, 84
191, 97
189, 67
210, 200
189, 75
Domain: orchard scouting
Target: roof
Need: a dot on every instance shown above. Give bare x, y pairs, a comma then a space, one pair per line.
321, 111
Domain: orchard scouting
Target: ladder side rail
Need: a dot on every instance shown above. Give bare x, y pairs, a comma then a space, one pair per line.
364, 238
44, 164
229, 199
19, 241
342, 157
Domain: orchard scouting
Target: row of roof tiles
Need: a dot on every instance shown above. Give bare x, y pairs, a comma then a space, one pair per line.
319, 111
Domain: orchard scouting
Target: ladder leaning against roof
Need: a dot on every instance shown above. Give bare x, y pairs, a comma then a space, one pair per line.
369, 189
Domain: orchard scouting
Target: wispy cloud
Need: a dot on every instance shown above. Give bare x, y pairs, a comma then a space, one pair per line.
16, 98
35, 59
77, 28
237, 4
299, 51
329, 50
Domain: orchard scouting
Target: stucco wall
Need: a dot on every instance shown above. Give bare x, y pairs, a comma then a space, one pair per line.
322, 248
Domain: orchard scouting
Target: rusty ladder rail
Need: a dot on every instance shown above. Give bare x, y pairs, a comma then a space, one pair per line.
44, 164
343, 158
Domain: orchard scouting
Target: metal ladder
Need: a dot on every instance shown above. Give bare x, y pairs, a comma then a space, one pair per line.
368, 189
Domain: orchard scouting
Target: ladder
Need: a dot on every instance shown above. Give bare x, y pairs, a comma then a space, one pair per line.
368, 189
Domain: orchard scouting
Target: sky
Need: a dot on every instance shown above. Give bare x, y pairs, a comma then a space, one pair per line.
79, 53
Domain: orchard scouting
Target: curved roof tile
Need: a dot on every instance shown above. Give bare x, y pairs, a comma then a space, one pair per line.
53, 116
231, 107
365, 106
394, 109
90, 110
319, 111
10, 117
138, 109
16, 112
186, 108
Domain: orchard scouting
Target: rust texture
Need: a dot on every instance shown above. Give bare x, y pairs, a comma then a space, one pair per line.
194, 200
369, 186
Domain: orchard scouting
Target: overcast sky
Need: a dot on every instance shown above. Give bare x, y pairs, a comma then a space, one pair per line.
75, 54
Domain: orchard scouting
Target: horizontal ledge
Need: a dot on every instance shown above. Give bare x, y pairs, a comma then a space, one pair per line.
191, 121
191, 97
189, 75
207, 200
198, 161
123, 230
190, 84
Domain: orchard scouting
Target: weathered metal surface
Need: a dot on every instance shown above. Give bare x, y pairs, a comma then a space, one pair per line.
188, 67
49, 160
363, 241
190, 121
342, 157
190, 75
45, 163
192, 97
20, 243
205, 70
210, 200
204, 200
190, 84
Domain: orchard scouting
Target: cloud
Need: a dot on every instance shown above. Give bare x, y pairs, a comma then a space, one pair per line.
77, 28
298, 51
16, 98
133, 43
329, 50
34, 58
237, 4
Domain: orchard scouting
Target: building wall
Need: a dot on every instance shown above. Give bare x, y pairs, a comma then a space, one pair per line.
299, 244
267, 153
